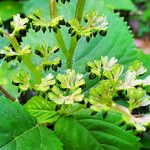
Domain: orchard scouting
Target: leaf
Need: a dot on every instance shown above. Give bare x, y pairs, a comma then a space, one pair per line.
145, 140
120, 5
94, 132
42, 110
19, 130
9, 8
4, 42
6, 75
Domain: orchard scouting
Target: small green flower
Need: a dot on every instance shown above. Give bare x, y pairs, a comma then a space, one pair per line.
10, 54
40, 23
94, 24
19, 23
95, 67
137, 97
102, 94
45, 84
138, 68
68, 90
59, 97
22, 80
70, 80
130, 81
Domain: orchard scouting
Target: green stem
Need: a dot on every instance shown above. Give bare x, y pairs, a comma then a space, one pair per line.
73, 43
13, 41
123, 110
37, 74
53, 8
26, 59
58, 35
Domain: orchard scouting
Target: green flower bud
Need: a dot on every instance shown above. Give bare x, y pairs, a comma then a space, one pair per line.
43, 29
103, 32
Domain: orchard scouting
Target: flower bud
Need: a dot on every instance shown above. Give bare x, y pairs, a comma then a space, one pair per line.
37, 52
46, 67
88, 38
43, 29
19, 58
55, 29
49, 28
54, 67
92, 76
88, 68
10, 58
95, 33
63, 1
62, 22
70, 30
15, 83
37, 28
73, 33
78, 37
67, 24
2, 56
103, 32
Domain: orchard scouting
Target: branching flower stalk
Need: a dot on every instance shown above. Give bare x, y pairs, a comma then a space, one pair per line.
73, 43
26, 59
58, 35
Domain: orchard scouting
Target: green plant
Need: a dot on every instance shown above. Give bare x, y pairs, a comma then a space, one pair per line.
76, 97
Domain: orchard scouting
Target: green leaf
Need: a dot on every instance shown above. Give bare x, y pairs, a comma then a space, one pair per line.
19, 130
120, 4
42, 110
4, 42
145, 140
6, 75
9, 8
95, 132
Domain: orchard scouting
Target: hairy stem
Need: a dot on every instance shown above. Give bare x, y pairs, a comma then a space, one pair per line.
73, 43
58, 35
123, 110
6, 94
53, 9
26, 59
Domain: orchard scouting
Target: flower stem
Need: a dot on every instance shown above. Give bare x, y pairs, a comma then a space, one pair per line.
73, 43
58, 35
26, 59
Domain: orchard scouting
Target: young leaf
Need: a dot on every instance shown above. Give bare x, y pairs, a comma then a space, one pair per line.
43, 110
120, 5
19, 130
